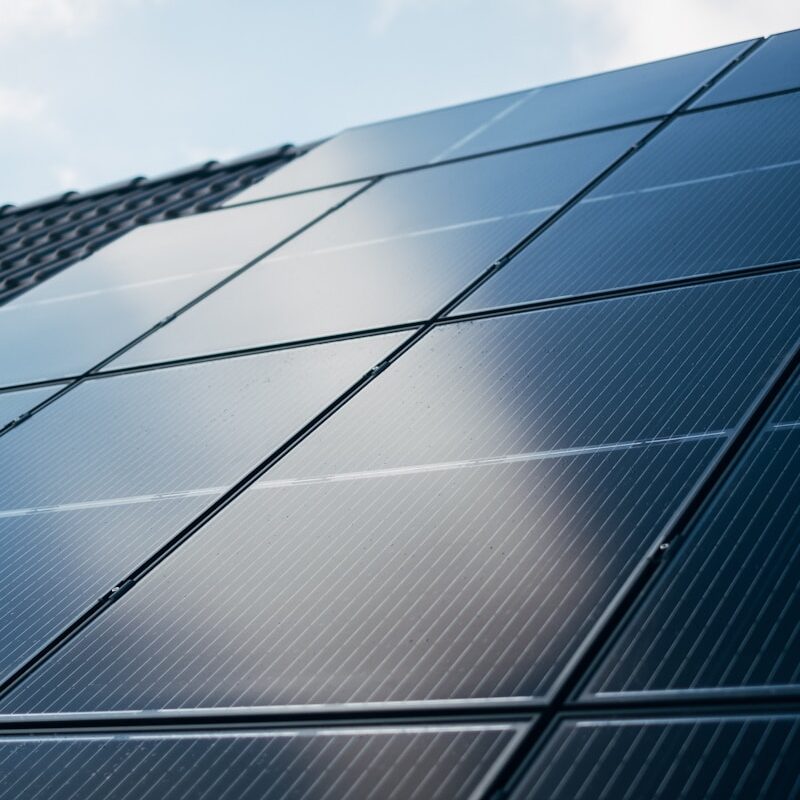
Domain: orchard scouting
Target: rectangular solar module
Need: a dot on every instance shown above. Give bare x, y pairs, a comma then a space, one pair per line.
473, 474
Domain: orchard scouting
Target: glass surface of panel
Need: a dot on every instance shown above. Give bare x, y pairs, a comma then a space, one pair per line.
597, 101
714, 192
395, 254
560, 109
85, 313
381, 147
99, 480
439, 584
725, 615
696, 758
509, 184
583, 375
181, 429
774, 67
14, 404
476, 505
327, 292
347, 763
57, 564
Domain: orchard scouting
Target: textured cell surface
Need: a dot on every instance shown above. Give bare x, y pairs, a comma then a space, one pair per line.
725, 616
345, 764
713, 192
697, 758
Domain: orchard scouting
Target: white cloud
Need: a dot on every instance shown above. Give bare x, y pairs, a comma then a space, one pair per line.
632, 31
20, 105
27, 18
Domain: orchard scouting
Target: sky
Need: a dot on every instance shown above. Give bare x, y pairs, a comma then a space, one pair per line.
95, 91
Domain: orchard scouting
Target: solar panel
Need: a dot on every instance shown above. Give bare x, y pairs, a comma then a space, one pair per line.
774, 67
14, 404
725, 615
713, 192
730, 758
598, 101
126, 288
101, 478
472, 475
401, 763
395, 254
389, 543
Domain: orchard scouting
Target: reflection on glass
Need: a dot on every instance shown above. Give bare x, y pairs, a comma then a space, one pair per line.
84, 314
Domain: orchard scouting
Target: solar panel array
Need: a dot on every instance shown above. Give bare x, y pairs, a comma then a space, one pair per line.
457, 458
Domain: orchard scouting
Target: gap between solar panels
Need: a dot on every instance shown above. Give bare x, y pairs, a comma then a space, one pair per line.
255, 474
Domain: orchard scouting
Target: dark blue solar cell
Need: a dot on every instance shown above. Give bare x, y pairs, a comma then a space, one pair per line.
98, 480
696, 758
81, 316
14, 404
774, 67
598, 101
401, 763
714, 192
477, 505
725, 614
395, 254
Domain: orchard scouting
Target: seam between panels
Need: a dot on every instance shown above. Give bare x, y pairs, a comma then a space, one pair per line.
699, 496
78, 380
635, 290
80, 623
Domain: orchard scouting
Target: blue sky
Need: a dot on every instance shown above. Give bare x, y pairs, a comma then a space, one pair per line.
93, 91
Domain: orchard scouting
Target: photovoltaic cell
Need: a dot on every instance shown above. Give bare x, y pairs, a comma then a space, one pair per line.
82, 315
98, 480
713, 758
395, 254
713, 192
774, 67
14, 404
546, 112
725, 614
308, 764
476, 506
